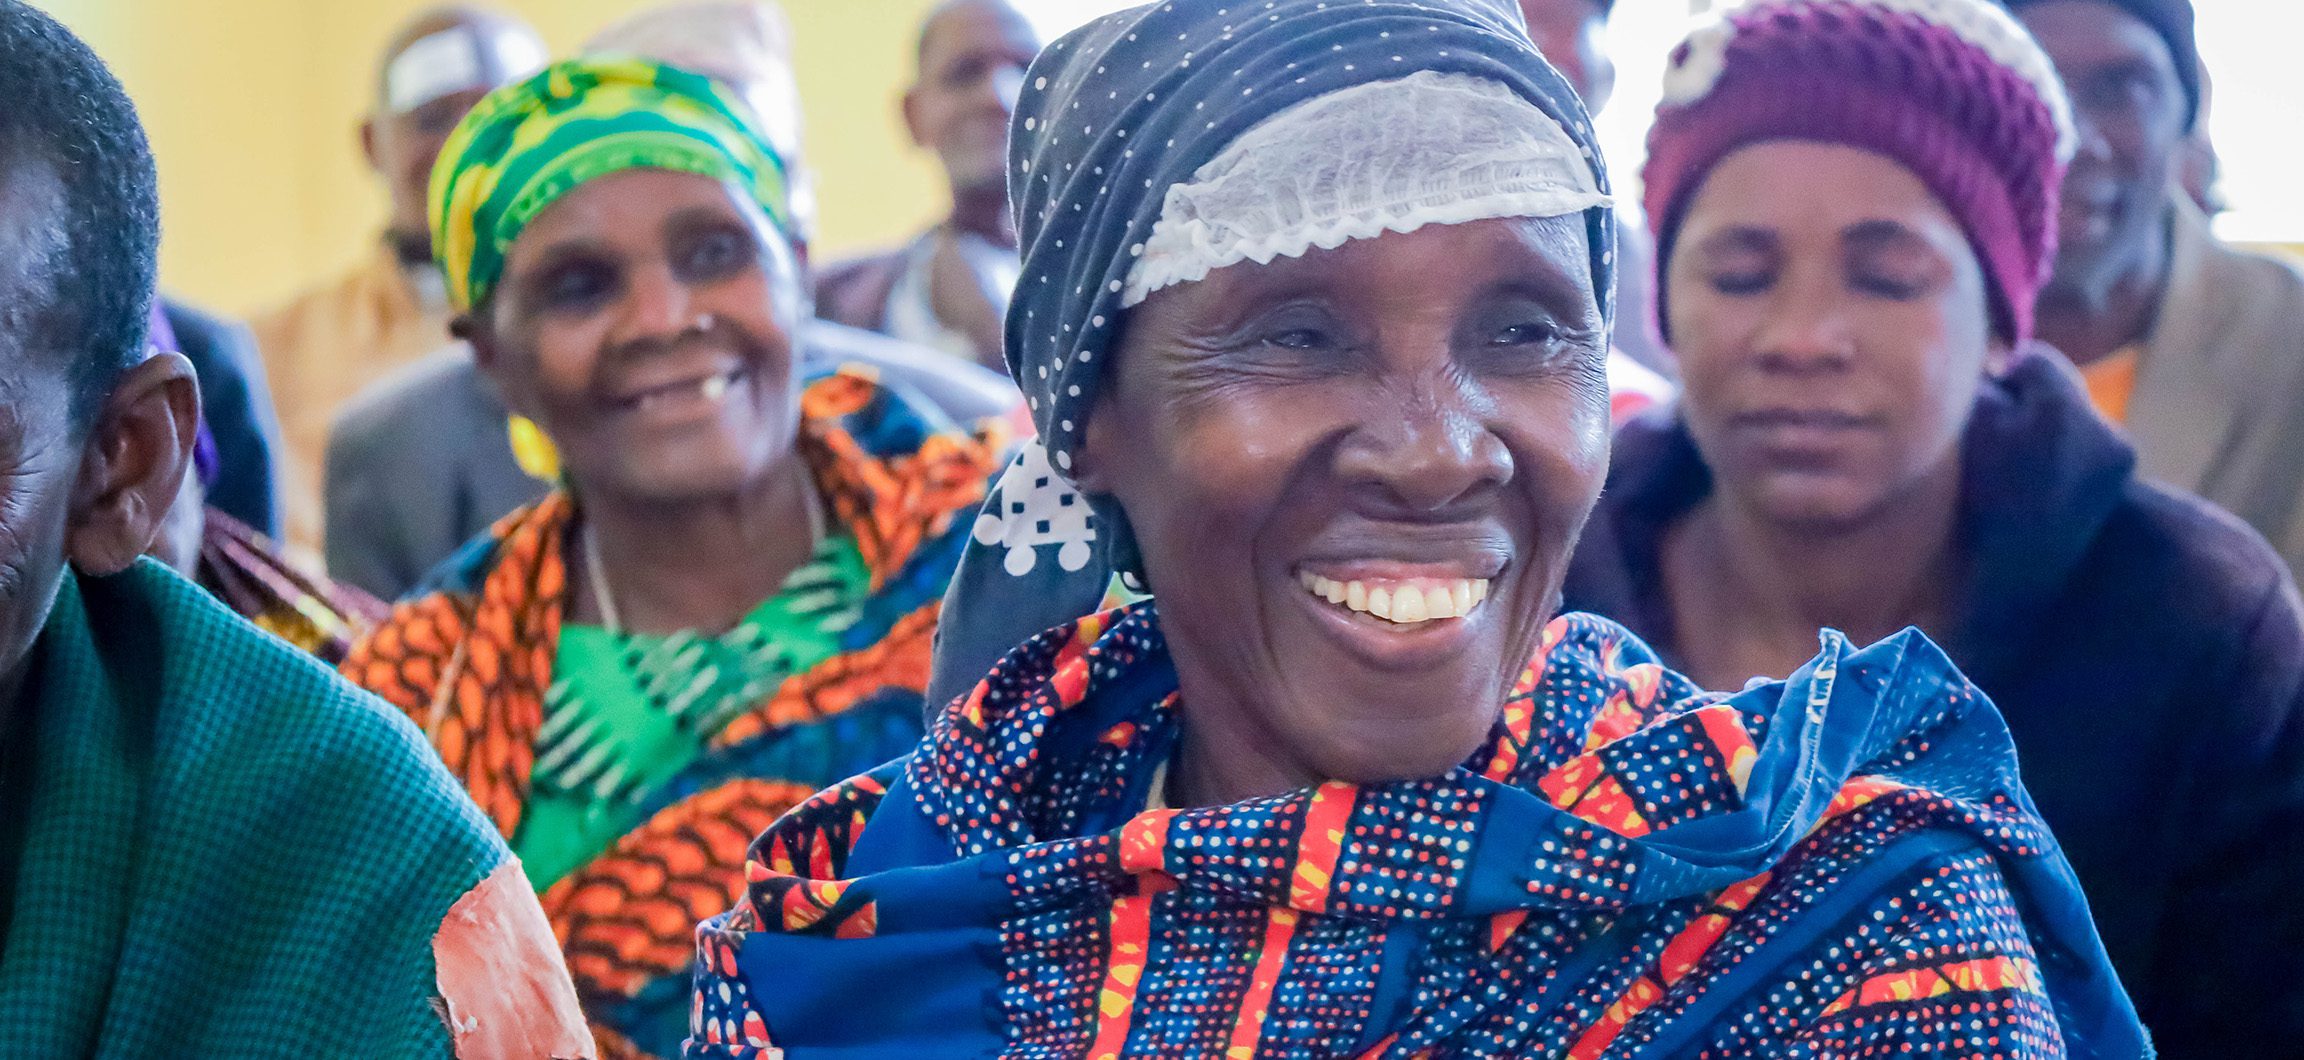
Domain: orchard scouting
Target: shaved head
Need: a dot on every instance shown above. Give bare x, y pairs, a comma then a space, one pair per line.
996, 10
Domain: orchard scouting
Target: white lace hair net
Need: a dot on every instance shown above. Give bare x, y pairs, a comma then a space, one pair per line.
1386, 156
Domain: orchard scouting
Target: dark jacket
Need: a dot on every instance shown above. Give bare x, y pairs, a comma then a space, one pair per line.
2147, 651
236, 403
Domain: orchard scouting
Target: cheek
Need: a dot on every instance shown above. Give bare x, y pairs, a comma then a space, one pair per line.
1217, 473
1558, 434
557, 369
1707, 332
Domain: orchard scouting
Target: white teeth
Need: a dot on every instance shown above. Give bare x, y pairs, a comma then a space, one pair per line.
716, 388
1438, 603
1408, 606
1401, 603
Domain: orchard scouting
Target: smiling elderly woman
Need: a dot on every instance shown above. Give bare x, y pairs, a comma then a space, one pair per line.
728, 604
1313, 320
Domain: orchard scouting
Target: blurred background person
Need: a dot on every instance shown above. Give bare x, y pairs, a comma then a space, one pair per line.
236, 407
1865, 443
949, 288
241, 565
421, 463
1573, 35
2192, 345
327, 344
728, 600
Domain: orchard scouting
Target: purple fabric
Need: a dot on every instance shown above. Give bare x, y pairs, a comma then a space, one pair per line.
205, 460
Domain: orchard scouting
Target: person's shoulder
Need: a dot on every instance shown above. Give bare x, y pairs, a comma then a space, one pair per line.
198, 328
869, 265
2200, 562
963, 391
280, 319
240, 700
413, 394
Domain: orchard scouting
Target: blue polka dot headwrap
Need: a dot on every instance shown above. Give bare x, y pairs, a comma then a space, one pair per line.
1113, 117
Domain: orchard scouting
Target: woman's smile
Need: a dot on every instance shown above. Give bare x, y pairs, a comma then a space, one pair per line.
680, 397
1395, 616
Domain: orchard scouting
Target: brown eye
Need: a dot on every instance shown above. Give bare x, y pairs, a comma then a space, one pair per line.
1533, 333
717, 253
579, 286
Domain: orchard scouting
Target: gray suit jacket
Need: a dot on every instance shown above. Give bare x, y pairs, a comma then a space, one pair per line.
420, 463
2218, 408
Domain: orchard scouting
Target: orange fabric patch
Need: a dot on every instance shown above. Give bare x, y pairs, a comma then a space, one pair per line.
501, 980
2112, 381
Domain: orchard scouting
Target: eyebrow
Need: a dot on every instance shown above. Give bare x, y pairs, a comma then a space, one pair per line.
1739, 239
1879, 235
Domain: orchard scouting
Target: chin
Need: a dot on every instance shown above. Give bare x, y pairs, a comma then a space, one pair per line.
1372, 728
692, 481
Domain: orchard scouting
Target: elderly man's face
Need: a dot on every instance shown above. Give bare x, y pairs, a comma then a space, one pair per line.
1356, 476
2129, 105
38, 451
972, 62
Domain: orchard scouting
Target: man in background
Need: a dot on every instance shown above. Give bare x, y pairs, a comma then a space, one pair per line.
331, 342
948, 289
2196, 347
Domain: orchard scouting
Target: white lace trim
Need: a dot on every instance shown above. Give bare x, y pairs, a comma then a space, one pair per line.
1388, 156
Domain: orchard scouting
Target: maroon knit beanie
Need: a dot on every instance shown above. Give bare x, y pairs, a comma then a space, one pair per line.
1953, 90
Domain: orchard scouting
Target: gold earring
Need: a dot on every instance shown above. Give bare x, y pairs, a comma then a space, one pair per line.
534, 450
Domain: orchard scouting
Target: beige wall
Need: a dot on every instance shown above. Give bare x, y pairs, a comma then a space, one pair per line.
253, 108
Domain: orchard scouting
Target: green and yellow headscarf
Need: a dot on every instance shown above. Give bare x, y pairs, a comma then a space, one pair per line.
528, 144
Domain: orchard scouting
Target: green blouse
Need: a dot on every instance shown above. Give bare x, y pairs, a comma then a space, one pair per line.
626, 712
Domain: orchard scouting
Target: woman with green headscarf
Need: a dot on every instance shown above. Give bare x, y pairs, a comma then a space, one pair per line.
729, 600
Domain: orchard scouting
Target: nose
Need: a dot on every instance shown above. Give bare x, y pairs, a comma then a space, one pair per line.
1806, 330
2092, 144
657, 306
1427, 452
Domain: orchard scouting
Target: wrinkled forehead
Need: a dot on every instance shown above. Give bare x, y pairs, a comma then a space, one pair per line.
33, 241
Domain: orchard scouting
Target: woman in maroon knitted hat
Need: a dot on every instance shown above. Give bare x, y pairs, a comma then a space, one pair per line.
1854, 203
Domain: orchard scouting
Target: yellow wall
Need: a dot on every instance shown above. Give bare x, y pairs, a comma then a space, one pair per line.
254, 106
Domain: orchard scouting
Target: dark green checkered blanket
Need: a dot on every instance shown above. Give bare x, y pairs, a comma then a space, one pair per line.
210, 845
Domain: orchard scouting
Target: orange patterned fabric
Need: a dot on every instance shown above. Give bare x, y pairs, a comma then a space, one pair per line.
472, 662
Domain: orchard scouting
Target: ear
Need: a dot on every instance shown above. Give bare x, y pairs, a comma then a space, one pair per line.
368, 144
1092, 460
912, 122
133, 468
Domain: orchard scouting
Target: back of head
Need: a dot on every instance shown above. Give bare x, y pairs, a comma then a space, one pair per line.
86, 304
